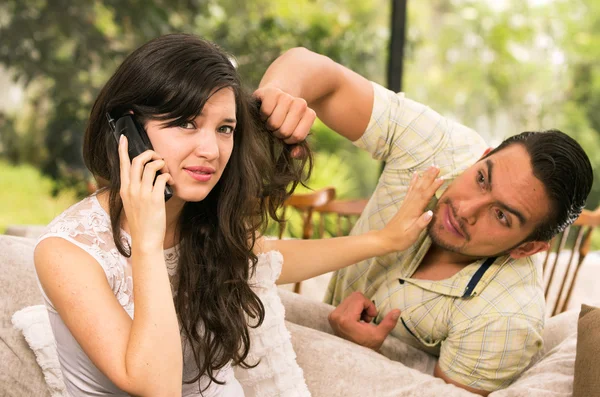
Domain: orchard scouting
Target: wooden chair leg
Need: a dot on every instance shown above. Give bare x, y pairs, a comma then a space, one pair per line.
297, 287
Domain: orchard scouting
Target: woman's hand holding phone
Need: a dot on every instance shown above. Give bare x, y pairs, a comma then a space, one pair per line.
142, 192
405, 227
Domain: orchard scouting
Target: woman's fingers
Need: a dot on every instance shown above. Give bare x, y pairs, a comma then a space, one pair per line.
159, 186
137, 168
149, 175
124, 161
139, 176
413, 180
426, 180
421, 189
424, 220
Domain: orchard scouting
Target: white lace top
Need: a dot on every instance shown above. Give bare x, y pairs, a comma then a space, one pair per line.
87, 225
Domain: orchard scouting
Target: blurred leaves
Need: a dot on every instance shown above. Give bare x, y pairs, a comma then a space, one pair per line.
499, 67
512, 66
63, 51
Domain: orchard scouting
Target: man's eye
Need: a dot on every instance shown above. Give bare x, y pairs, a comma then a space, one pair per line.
480, 178
501, 217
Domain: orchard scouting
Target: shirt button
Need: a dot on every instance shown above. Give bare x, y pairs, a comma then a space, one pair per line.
401, 281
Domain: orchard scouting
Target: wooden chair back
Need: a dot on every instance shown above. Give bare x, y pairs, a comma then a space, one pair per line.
306, 203
346, 211
561, 265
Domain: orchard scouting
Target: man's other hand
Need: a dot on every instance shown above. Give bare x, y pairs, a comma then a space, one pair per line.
351, 320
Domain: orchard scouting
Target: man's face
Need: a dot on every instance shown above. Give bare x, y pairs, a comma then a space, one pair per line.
491, 207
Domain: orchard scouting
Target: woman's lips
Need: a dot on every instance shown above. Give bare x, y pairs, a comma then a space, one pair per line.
199, 176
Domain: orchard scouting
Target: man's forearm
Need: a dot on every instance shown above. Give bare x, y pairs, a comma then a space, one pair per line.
341, 98
304, 74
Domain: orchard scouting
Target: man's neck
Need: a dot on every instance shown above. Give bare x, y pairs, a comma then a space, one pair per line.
440, 255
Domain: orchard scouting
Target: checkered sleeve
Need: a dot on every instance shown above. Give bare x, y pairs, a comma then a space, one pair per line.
489, 352
404, 133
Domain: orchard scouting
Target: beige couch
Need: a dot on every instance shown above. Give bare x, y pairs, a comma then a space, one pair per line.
332, 366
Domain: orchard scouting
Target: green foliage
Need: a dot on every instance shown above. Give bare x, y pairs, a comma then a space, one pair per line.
63, 51
580, 117
507, 67
26, 197
364, 171
258, 31
499, 67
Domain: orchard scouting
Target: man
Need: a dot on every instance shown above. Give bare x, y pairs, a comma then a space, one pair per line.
468, 289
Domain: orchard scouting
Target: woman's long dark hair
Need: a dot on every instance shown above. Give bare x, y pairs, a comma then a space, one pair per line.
171, 78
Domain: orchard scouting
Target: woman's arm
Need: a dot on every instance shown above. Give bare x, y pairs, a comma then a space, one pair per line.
134, 361
141, 356
303, 259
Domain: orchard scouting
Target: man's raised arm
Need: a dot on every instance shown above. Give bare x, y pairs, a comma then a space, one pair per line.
341, 98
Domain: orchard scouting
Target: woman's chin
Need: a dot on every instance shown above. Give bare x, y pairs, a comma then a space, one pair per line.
191, 195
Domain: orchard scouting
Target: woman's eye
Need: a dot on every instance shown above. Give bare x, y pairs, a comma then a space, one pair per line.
188, 125
226, 129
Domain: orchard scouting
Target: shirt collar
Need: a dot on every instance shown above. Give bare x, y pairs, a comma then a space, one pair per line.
468, 282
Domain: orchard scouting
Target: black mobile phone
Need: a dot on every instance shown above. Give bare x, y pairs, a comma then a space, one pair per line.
137, 139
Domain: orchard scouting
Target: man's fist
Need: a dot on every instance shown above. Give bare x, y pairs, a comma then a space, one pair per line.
287, 116
351, 320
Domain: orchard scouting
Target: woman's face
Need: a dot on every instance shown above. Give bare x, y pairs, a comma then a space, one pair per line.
196, 152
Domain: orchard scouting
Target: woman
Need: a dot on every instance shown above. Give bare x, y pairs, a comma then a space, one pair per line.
187, 260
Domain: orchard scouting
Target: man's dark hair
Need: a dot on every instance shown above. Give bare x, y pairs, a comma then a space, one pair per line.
564, 169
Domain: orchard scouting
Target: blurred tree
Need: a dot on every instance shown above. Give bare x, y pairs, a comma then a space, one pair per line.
511, 66
64, 50
485, 65
499, 67
352, 32
579, 36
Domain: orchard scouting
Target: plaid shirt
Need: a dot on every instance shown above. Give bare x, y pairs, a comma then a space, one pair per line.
484, 322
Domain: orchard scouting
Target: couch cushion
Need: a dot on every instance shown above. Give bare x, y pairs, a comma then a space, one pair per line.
587, 371
19, 373
28, 231
550, 376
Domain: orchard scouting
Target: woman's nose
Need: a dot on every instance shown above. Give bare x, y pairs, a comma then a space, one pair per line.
207, 145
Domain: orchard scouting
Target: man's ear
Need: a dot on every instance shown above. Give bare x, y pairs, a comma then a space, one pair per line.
529, 248
487, 151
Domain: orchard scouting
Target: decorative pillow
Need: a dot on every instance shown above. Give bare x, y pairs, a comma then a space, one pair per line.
34, 323
587, 370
